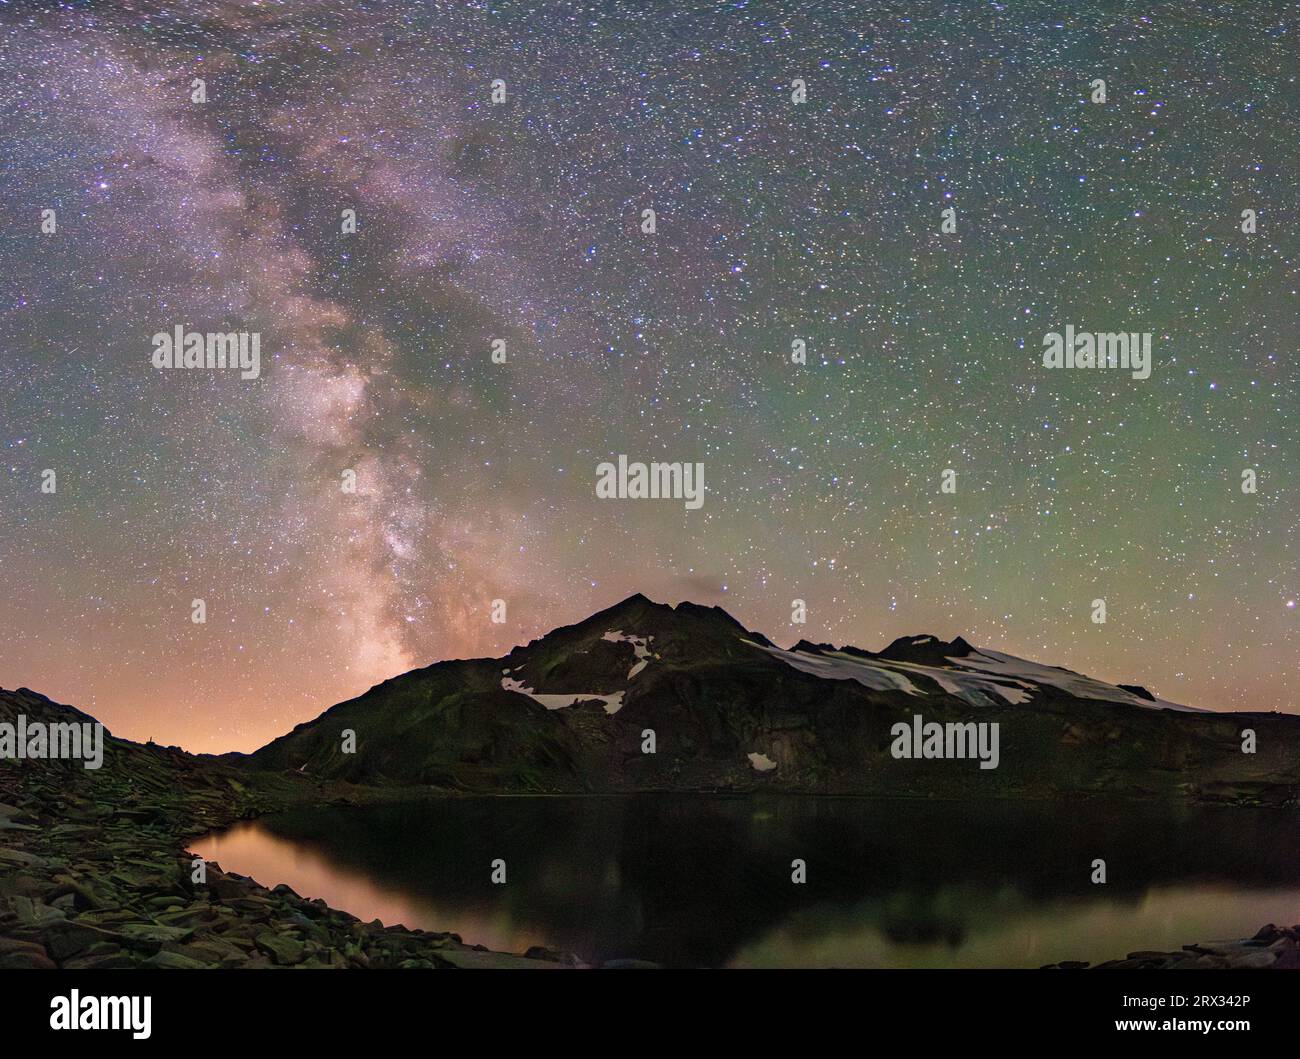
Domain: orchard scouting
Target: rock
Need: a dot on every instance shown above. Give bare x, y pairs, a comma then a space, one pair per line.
21, 858
84, 896
541, 952
285, 951
154, 932
1255, 959
72, 938
481, 959
1271, 948
1211, 948
189, 916
211, 952
100, 961
32, 912
224, 887
174, 961
8, 945
26, 961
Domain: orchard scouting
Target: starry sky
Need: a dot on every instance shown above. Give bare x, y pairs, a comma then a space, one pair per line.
521, 220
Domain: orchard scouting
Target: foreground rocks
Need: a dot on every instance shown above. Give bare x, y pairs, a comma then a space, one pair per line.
94, 874
1276, 948
86, 894
114, 907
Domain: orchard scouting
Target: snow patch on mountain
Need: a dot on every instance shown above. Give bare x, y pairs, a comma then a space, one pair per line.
980, 678
842, 667
975, 688
1076, 684
640, 647
612, 703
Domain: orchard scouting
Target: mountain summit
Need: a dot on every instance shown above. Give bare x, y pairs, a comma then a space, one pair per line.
646, 696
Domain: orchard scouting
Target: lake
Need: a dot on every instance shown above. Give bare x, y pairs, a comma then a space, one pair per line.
704, 880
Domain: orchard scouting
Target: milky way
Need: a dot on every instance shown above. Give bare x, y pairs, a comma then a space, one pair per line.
522, 220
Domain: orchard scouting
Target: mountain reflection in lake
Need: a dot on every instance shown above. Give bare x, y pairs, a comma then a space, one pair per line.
700, 880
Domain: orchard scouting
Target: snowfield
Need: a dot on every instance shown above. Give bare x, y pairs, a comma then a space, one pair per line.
980, 678
612, 703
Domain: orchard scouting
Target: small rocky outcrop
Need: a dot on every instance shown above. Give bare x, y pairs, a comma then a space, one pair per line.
1272, 948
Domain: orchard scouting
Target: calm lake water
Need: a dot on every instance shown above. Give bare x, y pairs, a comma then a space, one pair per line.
705, 880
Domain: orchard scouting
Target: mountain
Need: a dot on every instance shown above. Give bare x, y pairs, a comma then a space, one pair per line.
731, 711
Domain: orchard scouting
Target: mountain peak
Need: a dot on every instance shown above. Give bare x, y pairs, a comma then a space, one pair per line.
636, 600
638, 607
926, 648
686, 607
808, 647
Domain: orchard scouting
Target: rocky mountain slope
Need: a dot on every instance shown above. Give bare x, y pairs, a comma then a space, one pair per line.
729, 710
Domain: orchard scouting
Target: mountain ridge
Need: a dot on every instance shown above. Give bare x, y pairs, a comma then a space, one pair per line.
579, 708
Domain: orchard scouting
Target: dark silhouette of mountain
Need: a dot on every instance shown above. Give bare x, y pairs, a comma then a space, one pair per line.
726, 709
926, 650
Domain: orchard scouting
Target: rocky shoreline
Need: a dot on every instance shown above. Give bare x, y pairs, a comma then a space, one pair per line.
86, 886
94, 874
116, 907
1272, 948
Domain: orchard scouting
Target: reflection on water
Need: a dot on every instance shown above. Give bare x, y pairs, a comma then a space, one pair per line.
705, 881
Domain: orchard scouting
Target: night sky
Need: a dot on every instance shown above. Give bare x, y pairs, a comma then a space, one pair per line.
776, 220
